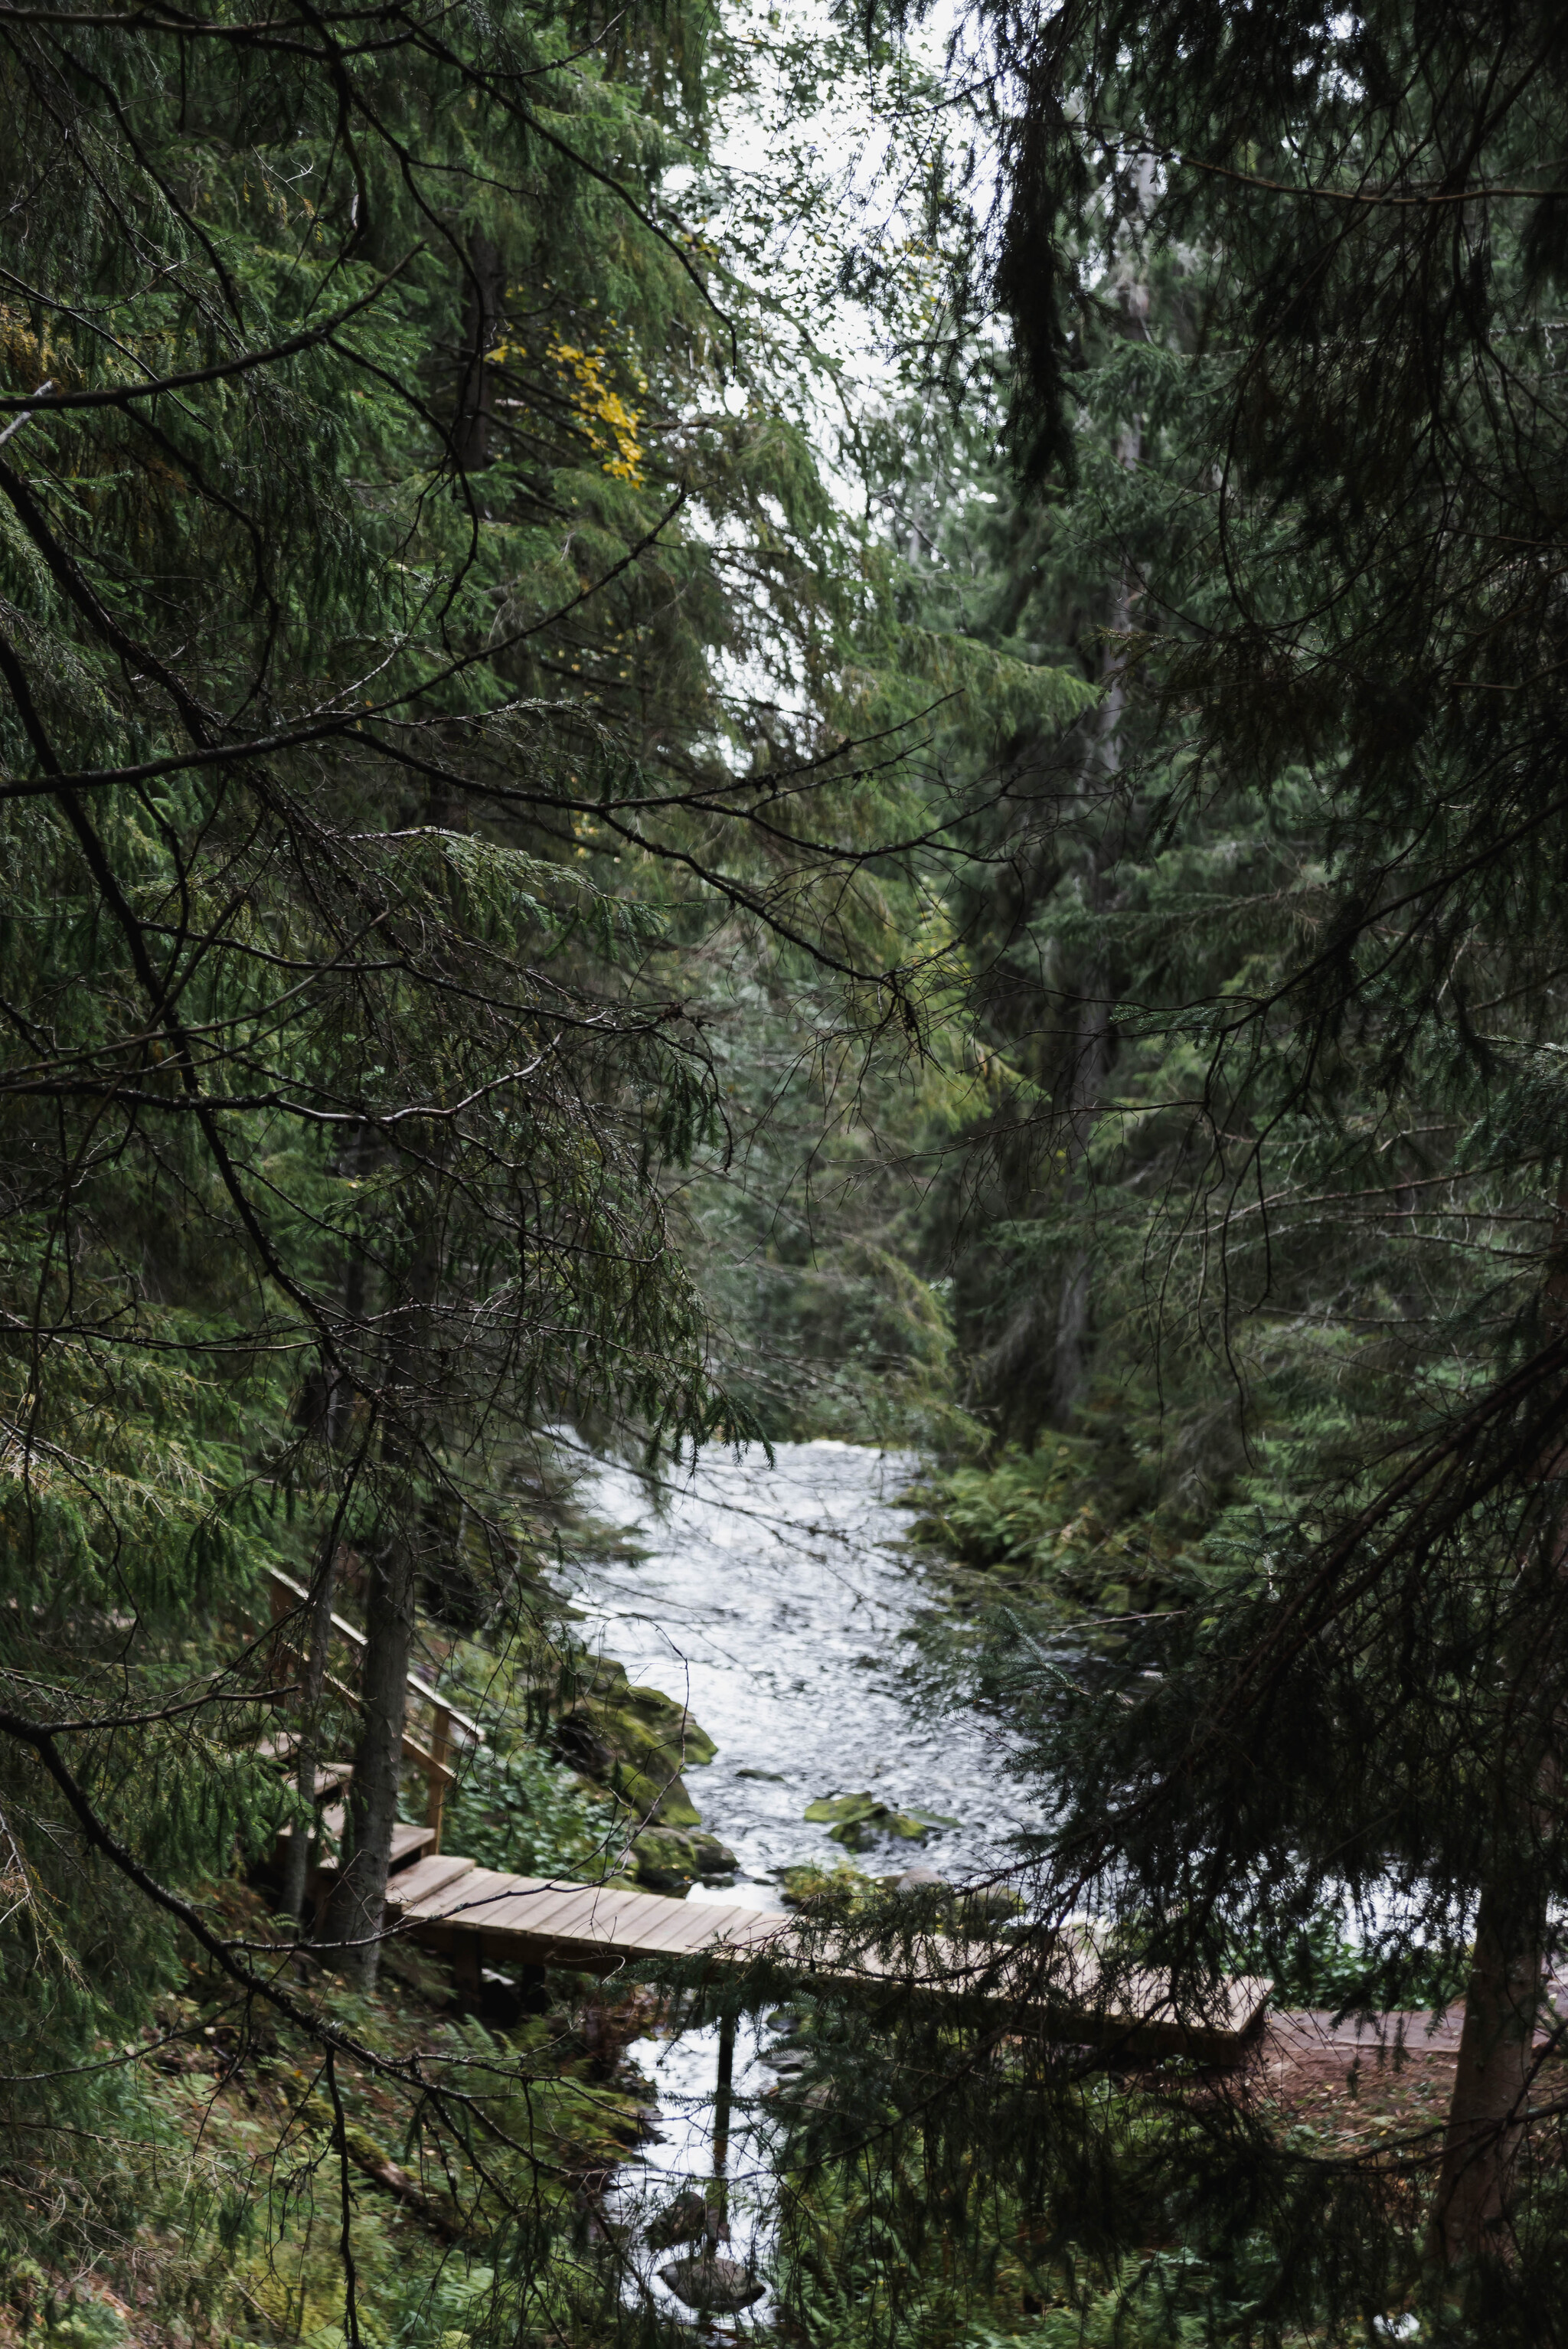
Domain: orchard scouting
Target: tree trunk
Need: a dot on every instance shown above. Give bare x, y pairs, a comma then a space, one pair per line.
1486, 2116
1069, 1363
1092, 1043
481, 327
296, 1868
337, 1420
358, 1909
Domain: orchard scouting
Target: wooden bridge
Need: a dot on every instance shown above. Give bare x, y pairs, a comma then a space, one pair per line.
482, 1919
479, 1918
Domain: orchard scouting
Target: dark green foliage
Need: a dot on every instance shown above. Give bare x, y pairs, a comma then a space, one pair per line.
520, 1811
1253, 1220
499, 874
1287, 379
386, 514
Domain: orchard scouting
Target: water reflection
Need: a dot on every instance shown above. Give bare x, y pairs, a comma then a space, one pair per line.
680, 2162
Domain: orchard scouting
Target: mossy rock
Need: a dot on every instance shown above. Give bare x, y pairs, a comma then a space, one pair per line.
813, 1882
673, 1726
637, 1741
858, 1820
716, 2286
986, 1907
662, 1801
669, 1861
657, 1718
684, 2220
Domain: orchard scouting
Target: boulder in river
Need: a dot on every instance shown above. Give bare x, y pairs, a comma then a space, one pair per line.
857, 1820
918, 1879
974, 1909
637, 1741
983, 1907
720, 2287
685, 2221
672, 1860
660, 1796
813, 1880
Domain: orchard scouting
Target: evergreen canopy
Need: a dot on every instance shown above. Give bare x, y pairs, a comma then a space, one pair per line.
1330, 246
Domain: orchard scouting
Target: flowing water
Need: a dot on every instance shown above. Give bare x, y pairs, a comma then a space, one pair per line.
780, 1604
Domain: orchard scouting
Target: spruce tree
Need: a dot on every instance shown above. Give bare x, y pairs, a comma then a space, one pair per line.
372, 761
1355, 600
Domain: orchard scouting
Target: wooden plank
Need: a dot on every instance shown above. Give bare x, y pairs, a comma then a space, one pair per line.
641, 1916
447, 1896
683, 1934
466, 1900
724, 1933
734, 1922
437, 1773
653, 1924
640, 1931
622, 1931
538, 1904
542, 1914
588, 1914
406, 1838
1068, 1999
427, 1877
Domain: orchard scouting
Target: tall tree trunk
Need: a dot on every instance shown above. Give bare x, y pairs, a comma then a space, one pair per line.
336, 1419
482, 329
1092, 1043
357, 1912
357, 1909
323, 1586
1502, 1997
1486, 2115
1069, 1361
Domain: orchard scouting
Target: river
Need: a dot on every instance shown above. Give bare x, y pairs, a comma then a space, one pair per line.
780, 1602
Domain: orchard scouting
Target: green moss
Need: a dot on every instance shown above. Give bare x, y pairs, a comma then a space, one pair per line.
857, 1820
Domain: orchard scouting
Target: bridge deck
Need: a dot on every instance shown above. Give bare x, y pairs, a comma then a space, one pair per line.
480, 1917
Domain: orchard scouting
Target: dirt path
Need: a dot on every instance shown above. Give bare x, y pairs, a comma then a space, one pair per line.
1357, 2083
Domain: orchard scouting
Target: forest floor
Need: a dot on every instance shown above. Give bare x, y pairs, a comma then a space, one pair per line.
238, 2176
1359, 2086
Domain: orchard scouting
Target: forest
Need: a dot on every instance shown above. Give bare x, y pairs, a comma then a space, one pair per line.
777, 775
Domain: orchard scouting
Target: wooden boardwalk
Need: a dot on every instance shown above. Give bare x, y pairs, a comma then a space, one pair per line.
479, 1918
482, 1919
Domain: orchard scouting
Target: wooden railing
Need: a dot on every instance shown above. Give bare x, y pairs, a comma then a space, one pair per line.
287, 1598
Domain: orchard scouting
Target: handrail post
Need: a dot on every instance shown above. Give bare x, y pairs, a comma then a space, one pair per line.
435, 1780
282, 1651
